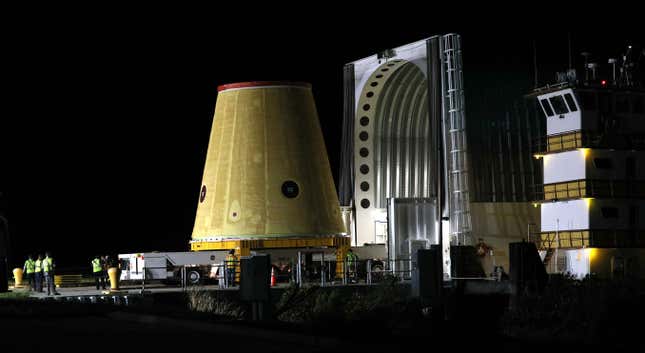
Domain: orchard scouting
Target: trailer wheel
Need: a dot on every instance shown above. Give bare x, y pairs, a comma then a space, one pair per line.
193, 277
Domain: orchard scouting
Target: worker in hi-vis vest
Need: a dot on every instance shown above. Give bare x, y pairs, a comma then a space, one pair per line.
97, 271
38, 273
231, 260
29, 269
48, 271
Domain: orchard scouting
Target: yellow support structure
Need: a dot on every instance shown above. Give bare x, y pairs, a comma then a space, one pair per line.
244, 247
564, 142
568, 239
340, 260
271, 243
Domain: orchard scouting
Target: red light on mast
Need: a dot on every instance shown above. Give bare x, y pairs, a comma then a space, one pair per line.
603, 82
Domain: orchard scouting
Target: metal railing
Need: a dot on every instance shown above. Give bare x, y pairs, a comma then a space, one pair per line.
323, 273
186, 276
401, 269
597, 188
570, 140
597, 238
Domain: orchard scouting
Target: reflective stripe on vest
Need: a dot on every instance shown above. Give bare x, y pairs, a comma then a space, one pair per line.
230, 260
30, 265
38, 265
96, 265
47, 264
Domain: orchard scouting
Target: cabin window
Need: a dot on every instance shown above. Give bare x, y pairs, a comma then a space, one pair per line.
602, 163
609, 212
558, 105
547, 107
571, 102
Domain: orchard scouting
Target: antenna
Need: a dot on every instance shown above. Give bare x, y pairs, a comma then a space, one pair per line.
535, 68
570, 62
613, 61
586, 55
593, 67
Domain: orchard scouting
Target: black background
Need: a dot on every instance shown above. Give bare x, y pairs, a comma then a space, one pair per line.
107, 112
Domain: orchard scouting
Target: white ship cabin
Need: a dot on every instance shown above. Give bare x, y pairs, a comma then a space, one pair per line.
594, 110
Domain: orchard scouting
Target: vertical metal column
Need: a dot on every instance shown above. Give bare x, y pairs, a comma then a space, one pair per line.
322, 269
346, 172
455, 140
299, 270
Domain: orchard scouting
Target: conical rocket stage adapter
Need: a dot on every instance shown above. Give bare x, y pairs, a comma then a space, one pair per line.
267, 173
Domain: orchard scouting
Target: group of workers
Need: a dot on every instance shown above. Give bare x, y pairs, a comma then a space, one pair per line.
38, 271
42, 269
100, 266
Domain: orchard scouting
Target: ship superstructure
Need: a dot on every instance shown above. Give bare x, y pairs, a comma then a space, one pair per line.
592, 202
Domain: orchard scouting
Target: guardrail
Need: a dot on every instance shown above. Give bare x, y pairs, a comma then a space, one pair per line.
323, 273
597, 238
597, 188
571, 140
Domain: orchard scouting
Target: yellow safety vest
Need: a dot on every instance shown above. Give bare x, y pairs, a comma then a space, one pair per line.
38, 265
48, 264
230, 260
96, 265
30, 265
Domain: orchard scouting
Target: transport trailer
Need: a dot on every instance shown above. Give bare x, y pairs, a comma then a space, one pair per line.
201, 266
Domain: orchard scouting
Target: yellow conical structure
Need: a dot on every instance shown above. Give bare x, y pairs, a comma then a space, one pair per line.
267, 173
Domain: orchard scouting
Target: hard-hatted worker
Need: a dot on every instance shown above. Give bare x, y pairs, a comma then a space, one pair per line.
48, 272
231, 260
38, 273
29, 269
97, 271
352, 263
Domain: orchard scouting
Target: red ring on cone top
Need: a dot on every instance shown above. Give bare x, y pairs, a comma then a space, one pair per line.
250, 84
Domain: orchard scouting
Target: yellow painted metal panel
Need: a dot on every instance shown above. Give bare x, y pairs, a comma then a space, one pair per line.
277, 243
565, 190
264, 139
564, 142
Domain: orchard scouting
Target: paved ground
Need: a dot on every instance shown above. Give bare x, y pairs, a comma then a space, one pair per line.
128, 290
135, 290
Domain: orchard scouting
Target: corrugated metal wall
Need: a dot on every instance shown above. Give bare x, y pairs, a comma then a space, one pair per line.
503, 167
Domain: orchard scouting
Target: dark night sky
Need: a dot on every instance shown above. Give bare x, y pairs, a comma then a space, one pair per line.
107, 118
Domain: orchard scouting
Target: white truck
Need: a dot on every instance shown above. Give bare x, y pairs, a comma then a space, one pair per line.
201, 266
